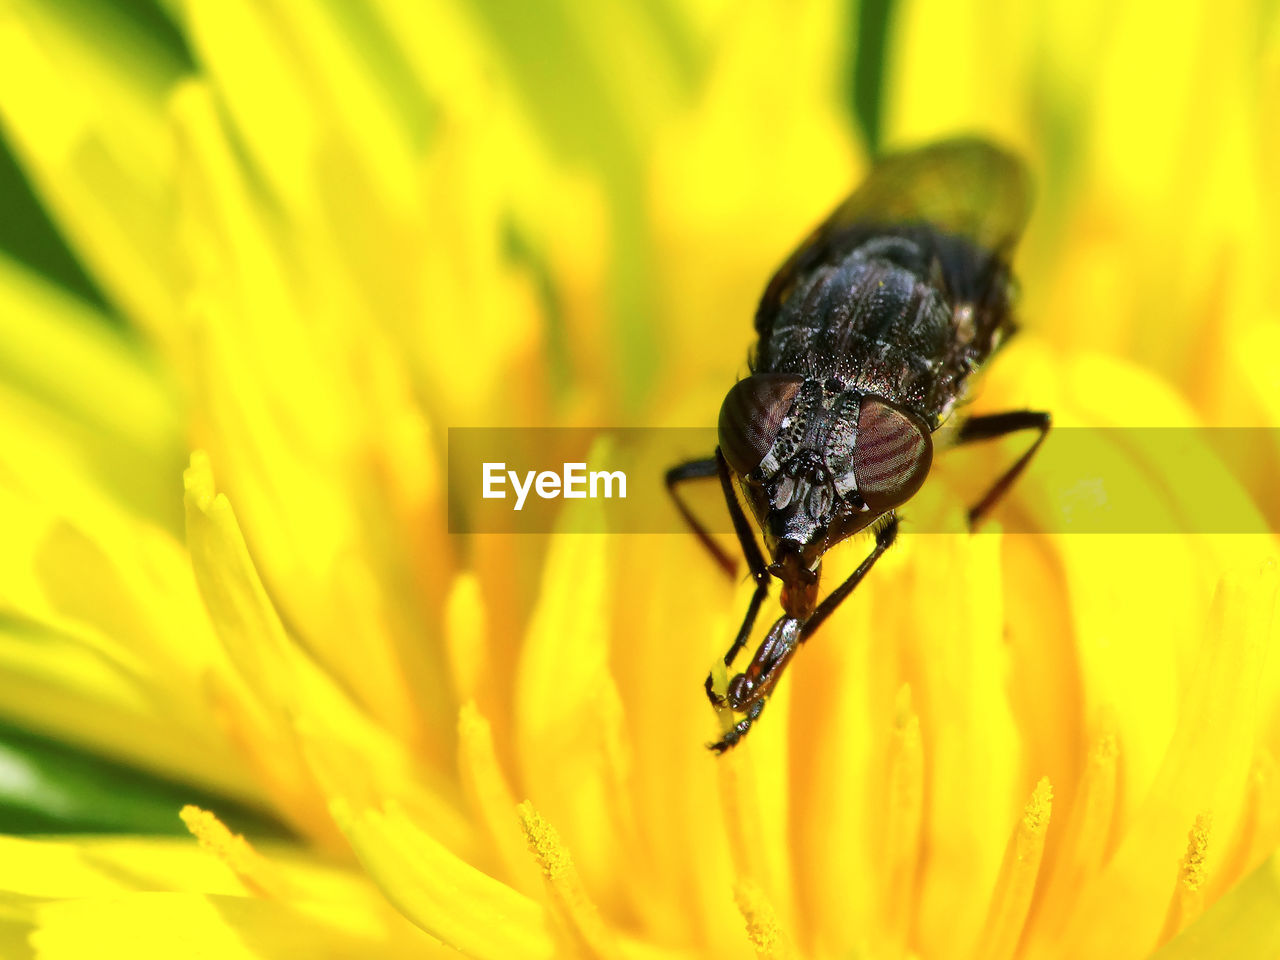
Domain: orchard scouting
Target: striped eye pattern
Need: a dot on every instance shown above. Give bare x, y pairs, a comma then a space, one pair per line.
891, 455
751, 416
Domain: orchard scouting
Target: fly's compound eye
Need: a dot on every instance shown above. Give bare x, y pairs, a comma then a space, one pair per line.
891, 455
751, 416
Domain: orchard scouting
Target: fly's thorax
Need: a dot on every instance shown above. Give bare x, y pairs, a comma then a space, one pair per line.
818, 460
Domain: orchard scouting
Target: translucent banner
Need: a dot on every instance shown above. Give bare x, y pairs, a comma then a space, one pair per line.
1081, 480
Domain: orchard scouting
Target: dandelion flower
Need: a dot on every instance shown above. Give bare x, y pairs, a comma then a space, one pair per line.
317, 235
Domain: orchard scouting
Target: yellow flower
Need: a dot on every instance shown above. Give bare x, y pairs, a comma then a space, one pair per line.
332, 231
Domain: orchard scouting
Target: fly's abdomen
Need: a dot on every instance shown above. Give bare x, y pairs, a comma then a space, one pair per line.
906, 314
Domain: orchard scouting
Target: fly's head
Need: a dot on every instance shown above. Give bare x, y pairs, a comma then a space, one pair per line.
818, 462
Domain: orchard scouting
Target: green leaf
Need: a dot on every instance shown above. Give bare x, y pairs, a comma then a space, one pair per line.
47, 787
29, 235
867, 83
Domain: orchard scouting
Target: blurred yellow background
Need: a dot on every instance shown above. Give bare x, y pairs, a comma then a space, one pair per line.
286, 245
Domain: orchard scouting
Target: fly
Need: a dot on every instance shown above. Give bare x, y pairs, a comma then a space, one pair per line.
867, 338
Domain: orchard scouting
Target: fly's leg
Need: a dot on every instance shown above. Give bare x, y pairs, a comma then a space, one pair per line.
755, 561
703, 469
776, 651
748, 691
739, 729
993, 425
885, 538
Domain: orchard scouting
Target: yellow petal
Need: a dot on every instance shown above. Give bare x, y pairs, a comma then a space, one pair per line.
317, 739
560, 705
753, 837
82, 869
760, 157
467, 641
159, 926
903, 822
307, 478
1204, 768
674, 779
950, 629
83, 105
264, 89
91, 598
929, 93
75, 685
766, 937
578, 915
492, 798
1259, 831
445, 896
1188, 896
1086, 842
129, 444
1244, 924
837, 710
157, 897
1018, 875
254, 871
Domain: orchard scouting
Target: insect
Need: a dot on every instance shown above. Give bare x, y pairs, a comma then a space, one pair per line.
868, 336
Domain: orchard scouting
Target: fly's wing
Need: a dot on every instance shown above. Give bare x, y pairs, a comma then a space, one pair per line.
966, 186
